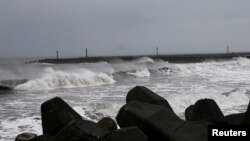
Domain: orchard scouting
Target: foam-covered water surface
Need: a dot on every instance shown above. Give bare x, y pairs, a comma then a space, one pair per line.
99, 89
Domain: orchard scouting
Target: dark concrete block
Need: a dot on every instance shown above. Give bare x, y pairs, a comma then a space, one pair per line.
108, 124
157, 122
44, 138
127, 134
143, 94
188, 112
235, 119
246, 120
26, 137
207, 109
56, 114
81, 130
192, 131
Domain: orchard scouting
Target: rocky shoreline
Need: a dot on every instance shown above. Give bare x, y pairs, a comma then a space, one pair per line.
146, 116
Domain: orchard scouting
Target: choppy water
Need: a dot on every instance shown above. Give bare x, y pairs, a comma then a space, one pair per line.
96, 90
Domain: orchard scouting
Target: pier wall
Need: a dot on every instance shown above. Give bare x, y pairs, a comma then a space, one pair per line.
185, 58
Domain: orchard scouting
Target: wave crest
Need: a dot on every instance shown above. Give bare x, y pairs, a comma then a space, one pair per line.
53, 79
229, 100
144, 60
139, 73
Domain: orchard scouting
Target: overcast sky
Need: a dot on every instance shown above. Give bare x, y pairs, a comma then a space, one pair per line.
122, 27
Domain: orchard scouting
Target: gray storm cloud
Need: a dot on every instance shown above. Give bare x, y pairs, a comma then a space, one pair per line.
116, 27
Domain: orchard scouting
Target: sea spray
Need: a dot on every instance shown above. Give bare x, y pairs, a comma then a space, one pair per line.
16, 126
184, 86
54, 79
139, 73
144, 60
95, 111
231, 100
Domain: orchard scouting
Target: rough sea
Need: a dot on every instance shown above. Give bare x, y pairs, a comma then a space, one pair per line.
96, 90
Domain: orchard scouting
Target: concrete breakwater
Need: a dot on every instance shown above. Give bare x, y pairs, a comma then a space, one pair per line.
146, 116
181, 58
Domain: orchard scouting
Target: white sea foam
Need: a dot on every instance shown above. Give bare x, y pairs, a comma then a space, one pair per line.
13, 127
227, 101
186, 84
140, 73
236, 70
242, 60
62, 79
144, 60
163, 71
95, 111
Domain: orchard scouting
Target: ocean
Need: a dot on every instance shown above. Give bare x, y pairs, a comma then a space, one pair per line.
96, 90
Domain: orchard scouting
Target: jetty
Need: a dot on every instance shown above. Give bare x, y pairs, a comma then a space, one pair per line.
172, 58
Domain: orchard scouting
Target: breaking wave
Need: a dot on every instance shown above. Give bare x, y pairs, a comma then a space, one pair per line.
225, 69
143, 72
96, 111
144, 60
139, 73
53, 79
226, 101
10, 84
163, 70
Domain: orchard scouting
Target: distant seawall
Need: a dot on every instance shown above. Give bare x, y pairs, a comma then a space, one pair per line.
183, 58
